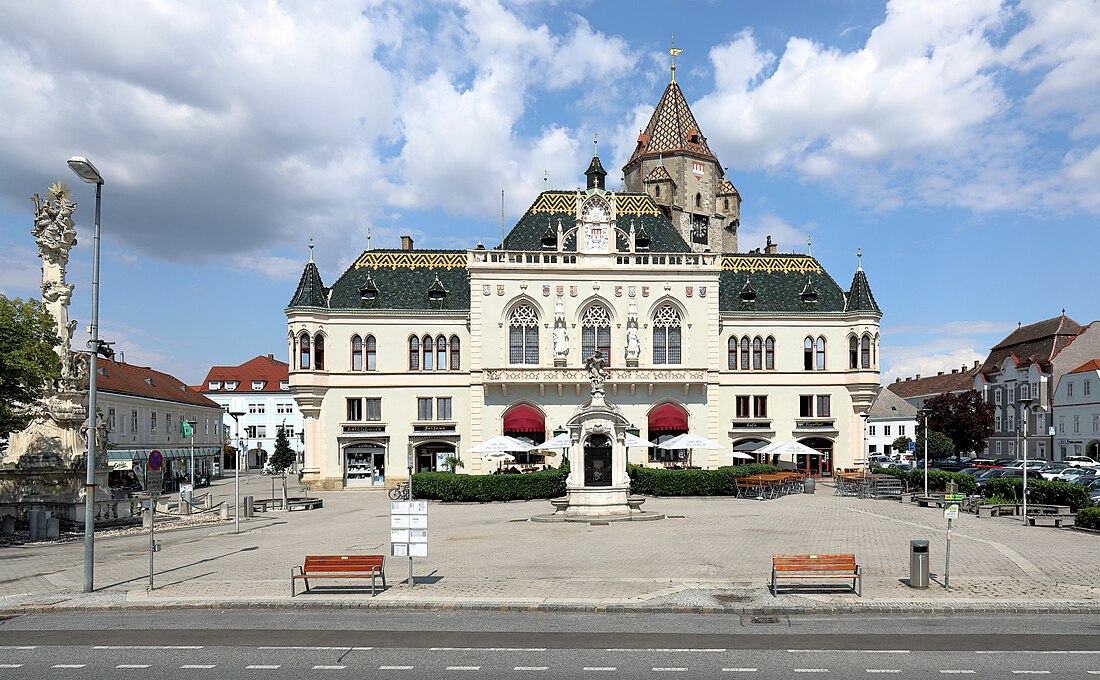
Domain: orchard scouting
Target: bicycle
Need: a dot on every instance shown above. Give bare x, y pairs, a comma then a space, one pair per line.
401, 492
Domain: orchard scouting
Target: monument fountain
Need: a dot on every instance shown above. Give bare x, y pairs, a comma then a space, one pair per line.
43, 468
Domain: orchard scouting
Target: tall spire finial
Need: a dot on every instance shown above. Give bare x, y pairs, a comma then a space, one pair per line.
675, 53
368, 236
809, 245
596, 144
545, 179
859, 259
311, 250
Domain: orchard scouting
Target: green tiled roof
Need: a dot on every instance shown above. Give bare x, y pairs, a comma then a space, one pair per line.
403, 279
779, 282
551, 206
311, 292
860, 298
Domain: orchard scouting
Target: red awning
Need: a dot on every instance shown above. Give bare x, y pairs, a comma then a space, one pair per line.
523, 418
668, 418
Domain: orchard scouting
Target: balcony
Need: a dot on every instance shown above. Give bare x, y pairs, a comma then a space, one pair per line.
628, 378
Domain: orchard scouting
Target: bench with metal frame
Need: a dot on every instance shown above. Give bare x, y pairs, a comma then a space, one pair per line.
817, 566
340, 566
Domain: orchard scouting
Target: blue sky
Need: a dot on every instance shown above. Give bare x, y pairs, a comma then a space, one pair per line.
957, 144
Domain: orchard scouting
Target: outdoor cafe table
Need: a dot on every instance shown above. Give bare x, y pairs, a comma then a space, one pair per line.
769, 485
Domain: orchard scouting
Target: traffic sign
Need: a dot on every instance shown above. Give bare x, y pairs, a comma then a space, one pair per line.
951, 512
154, 474
156, 460
912, 446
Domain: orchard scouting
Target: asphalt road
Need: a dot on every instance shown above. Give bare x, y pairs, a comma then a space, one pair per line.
269, 645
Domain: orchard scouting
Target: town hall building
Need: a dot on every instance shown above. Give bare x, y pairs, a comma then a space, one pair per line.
415, 356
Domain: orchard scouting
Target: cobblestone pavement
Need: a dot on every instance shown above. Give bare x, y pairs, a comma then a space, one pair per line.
710, 554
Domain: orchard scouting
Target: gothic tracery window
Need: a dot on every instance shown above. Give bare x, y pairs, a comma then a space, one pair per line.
523, 335
666, 335
596, 332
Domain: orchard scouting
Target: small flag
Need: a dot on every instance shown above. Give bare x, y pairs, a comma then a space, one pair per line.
185, 428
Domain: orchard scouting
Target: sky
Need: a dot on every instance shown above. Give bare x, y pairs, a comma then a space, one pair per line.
957, 144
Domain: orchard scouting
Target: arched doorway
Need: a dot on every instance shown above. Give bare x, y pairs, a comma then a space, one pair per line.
527, 424
1092, 450
816, 465
749, 447
597, 460
665, 422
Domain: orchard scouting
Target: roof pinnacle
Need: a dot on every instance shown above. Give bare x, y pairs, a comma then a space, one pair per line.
311, 250
859, 259
675, 53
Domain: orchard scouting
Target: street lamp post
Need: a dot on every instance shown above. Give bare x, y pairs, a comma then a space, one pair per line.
193, 424
925, 413
1023, 429
235, 415
87, 172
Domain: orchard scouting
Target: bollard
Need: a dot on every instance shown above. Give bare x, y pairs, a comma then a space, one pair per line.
9, 525
809, 485
249, 507
185, 507
36, 521
53, 528
224, 513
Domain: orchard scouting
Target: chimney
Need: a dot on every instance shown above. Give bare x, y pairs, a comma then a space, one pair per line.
940, 373
770, 247
918, 377
954, 371
406, 243
976, 363
271, 357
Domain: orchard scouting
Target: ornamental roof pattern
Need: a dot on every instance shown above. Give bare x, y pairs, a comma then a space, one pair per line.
403, 279
726, 188
779, 282
411, 259
659, 174
672, 127
756, 263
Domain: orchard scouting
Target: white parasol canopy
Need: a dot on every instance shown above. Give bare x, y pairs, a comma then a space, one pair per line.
635, 440
500, 443
789, 450
740, 454
499, 457
690, 441
562, 441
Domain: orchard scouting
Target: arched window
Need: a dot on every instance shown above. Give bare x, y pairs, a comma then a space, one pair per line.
657, 190
698, 200
853, 352
356, 353
821, 354
808, 354
372, 353
744, 354
757, 353
874, 352
303, 351
725, 204
865, 352
523, 335
596, 332
666, 336
731, 353
769, 354
427, 353
456, 353
319, 352
414, 353
441, 353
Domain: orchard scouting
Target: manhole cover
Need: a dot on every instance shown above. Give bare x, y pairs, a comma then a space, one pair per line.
727, 598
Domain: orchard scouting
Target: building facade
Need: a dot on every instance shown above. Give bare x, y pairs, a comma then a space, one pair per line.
145, 410
413, 356
1077, 412
889, 417
259, 389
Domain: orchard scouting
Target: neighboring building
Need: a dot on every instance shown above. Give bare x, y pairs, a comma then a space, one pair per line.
260, 389
889, 417
144, 410
415, 355
1017, 377
1077, 412
918, 390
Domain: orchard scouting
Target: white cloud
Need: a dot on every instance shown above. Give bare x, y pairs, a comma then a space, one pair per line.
790, 239
20, 270
912, 362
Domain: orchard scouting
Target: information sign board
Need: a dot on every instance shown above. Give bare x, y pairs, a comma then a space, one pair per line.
953, 496
912, 446
951, 511
409, 528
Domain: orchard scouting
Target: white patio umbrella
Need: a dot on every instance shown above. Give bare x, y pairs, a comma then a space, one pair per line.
690, 442
635, 440
500, 443
499, 456
740, 454
562, 441
788, 450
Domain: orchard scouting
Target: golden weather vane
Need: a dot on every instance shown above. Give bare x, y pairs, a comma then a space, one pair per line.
675, 53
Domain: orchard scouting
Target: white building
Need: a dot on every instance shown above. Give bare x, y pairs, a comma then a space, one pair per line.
1077, 412
414, 355
889, 417
145, 410
260, 389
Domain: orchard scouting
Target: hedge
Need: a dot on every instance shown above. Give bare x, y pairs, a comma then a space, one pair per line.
447, 486
720, 482
1041, 491
1088, 518
937, 479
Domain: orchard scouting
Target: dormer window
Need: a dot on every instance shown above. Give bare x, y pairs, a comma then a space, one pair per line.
258, 385
214, 385
748, 293
437, 293
809, 293
284, 384
642, 240
368, 291
231, 385
149, 382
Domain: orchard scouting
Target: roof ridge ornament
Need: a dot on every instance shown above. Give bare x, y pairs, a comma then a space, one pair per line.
311, 250
675, 53
859, 259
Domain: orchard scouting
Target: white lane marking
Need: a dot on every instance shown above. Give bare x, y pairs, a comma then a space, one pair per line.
198, 665
18, 647
395, 668
811, 670
464, 668
329, 668
600, 668
530, 668
883, 670
480, 649
739, 670
11, 665
1031, 672
148, 647
1093, 672
661, 649
132, 665
262, 667
315, 648
70, 665
1039, 651
956, 671
848, 651
673, 670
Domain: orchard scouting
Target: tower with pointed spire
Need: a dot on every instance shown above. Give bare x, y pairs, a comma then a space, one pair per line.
674, 165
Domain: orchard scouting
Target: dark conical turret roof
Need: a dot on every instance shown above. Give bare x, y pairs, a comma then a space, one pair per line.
595, 173
671, 128
860, 298
311, 291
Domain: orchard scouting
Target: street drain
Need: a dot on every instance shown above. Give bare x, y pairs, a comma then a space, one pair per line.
764, 619
517, 520
599, 524
675, 516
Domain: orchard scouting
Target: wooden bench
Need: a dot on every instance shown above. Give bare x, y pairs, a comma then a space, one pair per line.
817, 566
304, 504
340, 566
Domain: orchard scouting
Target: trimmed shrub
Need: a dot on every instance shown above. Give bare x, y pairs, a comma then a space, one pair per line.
445, 486
1088, 518
937, 479
1041, 492
720, 482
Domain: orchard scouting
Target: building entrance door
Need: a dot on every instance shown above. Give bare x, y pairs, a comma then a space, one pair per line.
597, 461
365, 465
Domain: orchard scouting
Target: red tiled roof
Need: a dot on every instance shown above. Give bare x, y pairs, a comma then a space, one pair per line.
141, 381
935, 384
1093, 365
1035, 343
265, 368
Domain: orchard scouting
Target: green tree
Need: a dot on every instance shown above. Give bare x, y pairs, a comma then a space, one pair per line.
282, 458
939, 445
901, 444
28, 362
965, 418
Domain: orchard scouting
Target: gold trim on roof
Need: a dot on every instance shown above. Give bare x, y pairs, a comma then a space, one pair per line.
786, 265
555, 203
411, 260
625, 204
635, 204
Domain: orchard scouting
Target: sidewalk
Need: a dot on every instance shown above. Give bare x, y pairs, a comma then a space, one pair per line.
714, 558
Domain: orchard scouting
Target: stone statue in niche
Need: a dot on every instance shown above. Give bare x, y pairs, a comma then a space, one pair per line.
561, 339
633, 342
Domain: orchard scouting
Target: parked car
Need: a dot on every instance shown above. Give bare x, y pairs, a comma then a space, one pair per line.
1072, 473
900, 466
999, 473
1077, 461
982, 463
1050, 471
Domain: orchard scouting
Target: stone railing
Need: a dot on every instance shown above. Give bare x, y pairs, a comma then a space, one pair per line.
519, 374
543, 258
